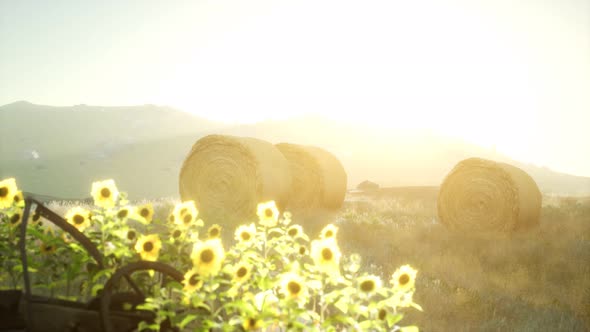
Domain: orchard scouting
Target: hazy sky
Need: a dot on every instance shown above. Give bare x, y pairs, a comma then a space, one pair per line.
510, 73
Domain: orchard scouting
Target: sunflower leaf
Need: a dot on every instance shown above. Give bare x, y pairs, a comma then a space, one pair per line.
342, 304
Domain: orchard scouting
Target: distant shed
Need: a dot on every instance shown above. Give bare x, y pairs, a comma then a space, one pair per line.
367, 186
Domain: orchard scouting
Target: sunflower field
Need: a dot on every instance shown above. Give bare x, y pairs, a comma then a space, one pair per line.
273, 277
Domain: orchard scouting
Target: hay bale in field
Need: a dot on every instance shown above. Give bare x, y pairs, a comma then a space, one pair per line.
318, 178
483, 195
227, 176
307, 184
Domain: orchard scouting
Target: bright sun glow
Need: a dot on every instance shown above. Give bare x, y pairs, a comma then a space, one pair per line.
497, 73
387, 64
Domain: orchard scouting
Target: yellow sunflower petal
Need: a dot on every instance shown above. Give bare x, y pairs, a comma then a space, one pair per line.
8, 190
104, 193
268, 213
148, 247
208, 256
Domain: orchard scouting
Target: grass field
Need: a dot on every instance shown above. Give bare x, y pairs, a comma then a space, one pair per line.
533, 281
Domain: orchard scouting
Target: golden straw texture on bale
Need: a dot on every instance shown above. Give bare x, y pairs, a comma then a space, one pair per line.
307, 185
227, 176
319, 179
483, 195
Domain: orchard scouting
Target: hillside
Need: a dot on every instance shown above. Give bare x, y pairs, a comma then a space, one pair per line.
31, 131
59, 151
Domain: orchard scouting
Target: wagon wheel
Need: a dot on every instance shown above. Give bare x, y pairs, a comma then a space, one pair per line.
125, 272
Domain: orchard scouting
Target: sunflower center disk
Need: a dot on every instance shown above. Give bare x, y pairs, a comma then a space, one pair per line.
148, 246
105, 192
207, 256
15, 218
194, 279
144, 213
404, 279
78, 219
245, 236
294, 287
268, 213
241, 272
3, 192
327, 254
367, 286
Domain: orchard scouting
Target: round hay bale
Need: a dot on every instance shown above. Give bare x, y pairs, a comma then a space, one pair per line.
227, 176
307, 183
318, 178
483, 195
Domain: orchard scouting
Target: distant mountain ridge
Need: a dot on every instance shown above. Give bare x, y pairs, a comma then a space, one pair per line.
60, 151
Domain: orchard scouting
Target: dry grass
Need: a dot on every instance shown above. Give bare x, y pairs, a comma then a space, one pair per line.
538, 280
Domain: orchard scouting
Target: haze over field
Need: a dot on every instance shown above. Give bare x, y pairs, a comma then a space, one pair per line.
65, 149
393, 76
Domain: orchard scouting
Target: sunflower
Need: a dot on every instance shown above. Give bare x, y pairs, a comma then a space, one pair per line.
329, 231
8, 190
287, 217
148, 247
369, 284
293, 287
172, 218
49, 231
145, 213
302, 250
252, 324
245, 233
177, 234
123, 213
214, 231
19, 199
207, 257
404, 278
326, 255
79, 218
295, 231
48, 248
192, 281
35, 219
105, 193
406, 300
382, 314
66, 237
242, 272
16, 218
185, 213
131, 235
268, 213
353, 264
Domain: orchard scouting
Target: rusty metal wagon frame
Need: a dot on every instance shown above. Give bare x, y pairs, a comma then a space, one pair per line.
99, 315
